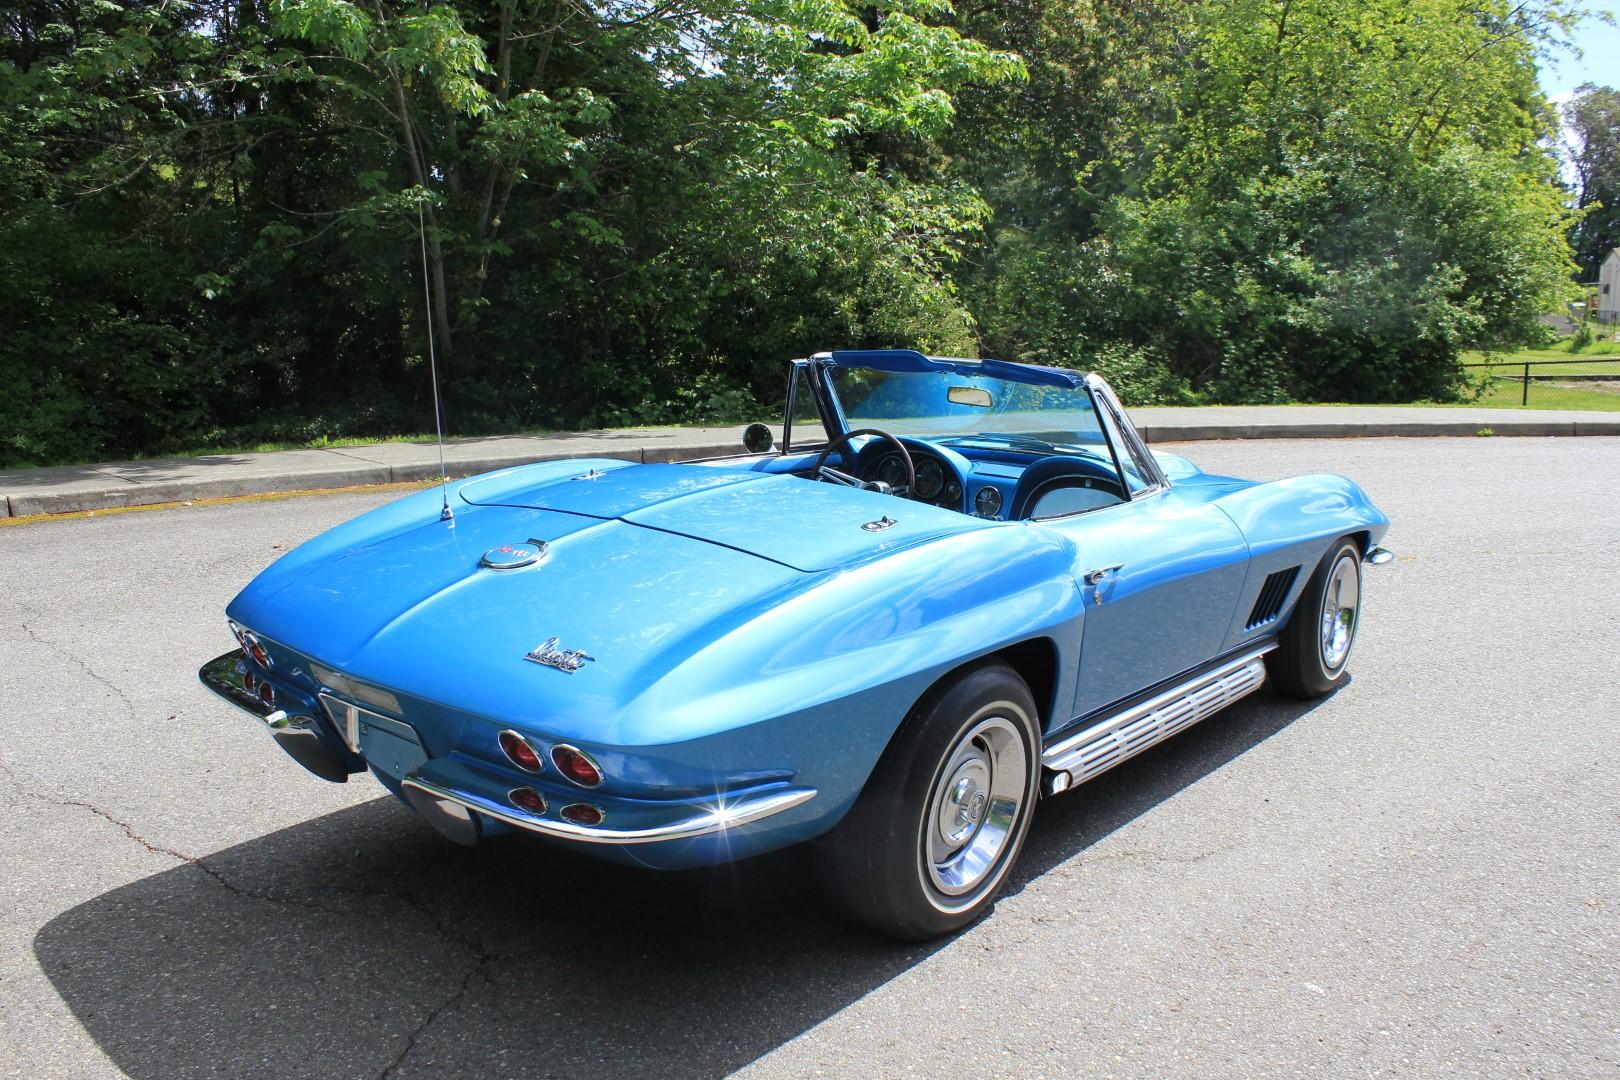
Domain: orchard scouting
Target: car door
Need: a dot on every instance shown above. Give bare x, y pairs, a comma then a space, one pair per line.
1160, 576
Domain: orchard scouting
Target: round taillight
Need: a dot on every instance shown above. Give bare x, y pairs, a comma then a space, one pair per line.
521, 754
581, 814
576, 766
251, 645
236, 632
528, 799
267, 693
249, 683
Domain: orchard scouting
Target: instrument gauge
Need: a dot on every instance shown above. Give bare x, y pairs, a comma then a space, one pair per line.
892, 471
930, 479
987, 503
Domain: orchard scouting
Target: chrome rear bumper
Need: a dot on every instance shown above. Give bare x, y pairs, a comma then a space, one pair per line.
295, 733
447, 799
713, 818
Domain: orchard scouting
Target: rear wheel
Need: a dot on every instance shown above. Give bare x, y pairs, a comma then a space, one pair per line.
930, 841
1314, 648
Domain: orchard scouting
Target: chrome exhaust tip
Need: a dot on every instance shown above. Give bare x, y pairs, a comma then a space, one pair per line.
453, 821
296, 735
1378, 556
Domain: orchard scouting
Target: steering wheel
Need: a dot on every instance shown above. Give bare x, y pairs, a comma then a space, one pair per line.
823, 472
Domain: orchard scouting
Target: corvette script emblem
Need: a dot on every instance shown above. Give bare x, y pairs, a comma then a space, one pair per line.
547, 653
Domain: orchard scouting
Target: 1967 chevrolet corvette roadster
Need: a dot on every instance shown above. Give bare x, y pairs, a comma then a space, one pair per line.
956, 587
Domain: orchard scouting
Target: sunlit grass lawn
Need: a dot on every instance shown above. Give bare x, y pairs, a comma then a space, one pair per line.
1599, 358
1502, 393
318, 443
1505, 394
1547, 362
231, 449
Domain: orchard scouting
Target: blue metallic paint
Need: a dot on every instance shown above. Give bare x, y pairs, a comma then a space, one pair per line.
748, 635
1181, 566
1291, 522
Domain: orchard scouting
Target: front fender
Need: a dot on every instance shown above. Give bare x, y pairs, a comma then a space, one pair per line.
1302, 509
1290, 523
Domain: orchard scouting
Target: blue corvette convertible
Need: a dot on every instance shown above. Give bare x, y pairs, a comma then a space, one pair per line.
956, 586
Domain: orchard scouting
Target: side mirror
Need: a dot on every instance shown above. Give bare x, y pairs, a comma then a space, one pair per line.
757, 439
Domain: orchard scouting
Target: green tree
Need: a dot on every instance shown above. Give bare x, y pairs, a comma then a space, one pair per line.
749, 131
209, 208
628, 209
1048, 161
1341, 198
1592, 118
111, 182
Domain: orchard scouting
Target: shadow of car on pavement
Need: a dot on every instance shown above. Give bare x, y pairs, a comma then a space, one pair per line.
361, 941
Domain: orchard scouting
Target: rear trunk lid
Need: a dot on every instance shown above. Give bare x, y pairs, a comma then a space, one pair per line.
789, 520
418, 613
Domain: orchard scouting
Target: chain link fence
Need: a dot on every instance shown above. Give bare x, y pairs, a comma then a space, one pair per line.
1576, 383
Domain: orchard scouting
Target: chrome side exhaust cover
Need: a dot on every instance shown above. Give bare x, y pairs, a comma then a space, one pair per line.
1089, 753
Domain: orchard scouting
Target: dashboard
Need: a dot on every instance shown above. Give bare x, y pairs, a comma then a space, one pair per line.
938, 480
998, 485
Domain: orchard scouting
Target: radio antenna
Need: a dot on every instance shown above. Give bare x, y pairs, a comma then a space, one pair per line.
445, 514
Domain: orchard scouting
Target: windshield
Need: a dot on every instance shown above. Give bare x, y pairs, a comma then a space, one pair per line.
964, 409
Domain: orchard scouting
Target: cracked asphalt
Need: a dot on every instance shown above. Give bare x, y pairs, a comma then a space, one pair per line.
1417, 877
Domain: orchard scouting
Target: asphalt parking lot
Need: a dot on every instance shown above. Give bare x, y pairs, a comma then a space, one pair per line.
1417, 877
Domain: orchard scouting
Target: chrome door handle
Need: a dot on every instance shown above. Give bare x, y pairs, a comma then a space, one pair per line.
1096, 577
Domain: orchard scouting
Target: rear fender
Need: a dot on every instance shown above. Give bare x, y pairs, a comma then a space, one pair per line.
856, 651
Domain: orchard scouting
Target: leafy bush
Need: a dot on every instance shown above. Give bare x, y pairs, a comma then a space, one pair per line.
212, 230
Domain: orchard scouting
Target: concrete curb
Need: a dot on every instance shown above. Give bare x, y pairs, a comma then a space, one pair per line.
127, 484
78, 497
1370, 430
1597, 427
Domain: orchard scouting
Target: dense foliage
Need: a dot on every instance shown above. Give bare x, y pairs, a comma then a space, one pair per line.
1592, 121
633, 210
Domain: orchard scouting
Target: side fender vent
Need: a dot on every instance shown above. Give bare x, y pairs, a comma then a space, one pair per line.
1272, 595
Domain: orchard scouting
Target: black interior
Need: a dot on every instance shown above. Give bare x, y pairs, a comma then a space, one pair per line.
924, 474
1054, 473
936, 480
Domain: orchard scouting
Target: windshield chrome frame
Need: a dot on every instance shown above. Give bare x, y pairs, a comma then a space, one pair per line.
1102, 396
832, 412
820, 393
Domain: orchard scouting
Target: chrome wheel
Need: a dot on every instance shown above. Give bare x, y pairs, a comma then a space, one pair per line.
938, 826
1314, 646
1341, 601
974, 809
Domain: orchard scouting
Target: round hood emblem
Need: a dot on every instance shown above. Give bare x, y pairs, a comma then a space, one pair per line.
512, 556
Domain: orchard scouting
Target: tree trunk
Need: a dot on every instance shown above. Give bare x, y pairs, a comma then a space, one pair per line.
443, 337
